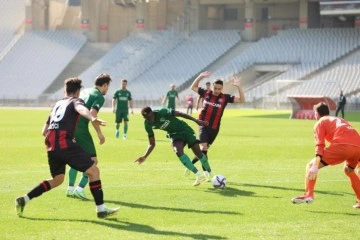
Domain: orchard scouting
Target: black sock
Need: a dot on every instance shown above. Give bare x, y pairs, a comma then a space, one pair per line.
44, 186
97, 192
205, 153
195, 160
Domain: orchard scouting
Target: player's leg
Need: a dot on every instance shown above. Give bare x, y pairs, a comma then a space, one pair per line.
117, 124
126, 126
57, 170
72, 174
81, 161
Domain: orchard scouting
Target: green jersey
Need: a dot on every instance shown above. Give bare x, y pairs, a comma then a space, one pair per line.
122, 97
171, 96
93, 98
165, 120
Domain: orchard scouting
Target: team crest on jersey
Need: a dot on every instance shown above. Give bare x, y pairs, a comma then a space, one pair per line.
220, 100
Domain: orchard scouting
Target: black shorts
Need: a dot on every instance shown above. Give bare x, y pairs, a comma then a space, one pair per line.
74, 156
207, 134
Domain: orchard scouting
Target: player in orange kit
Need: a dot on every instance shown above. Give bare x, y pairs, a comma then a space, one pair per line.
344, 147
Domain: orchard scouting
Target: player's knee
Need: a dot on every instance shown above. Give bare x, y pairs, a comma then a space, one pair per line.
93, 172
348, 170
203, 147
57, 180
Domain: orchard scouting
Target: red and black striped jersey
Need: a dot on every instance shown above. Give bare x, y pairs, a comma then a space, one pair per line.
213, 106
62, 123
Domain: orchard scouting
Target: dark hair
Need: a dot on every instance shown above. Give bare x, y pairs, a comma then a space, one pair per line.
102, 79
322, 109
207, 83
124, 80
219, 81
72, 85
145, 111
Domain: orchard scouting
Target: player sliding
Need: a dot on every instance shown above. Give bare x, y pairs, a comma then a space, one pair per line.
179, 132
344, 147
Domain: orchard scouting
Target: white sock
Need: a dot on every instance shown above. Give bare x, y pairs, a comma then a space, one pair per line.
100, 208
27, 199
79, 189
70, 188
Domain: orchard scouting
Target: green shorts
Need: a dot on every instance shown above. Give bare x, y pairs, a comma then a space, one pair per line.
187, 136
120, 116
84, 140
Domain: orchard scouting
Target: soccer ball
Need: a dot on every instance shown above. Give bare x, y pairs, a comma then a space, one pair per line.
218, 181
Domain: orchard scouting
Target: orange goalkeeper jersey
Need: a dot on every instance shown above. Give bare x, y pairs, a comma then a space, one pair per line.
334, 130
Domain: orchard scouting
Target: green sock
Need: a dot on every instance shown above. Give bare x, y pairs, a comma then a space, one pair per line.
117, 126
188, 164
204, 161
84, 180
125, 128
72, 176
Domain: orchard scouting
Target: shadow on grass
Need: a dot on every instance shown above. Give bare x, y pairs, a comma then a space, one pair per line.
287, 189
337, 213
190, 210
231, 192
280, 115
131, 227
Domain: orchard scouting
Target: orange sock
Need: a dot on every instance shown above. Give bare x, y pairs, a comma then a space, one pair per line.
355, 183
309, 184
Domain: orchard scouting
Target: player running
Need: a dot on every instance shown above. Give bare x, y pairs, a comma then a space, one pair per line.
180, 134
62, 149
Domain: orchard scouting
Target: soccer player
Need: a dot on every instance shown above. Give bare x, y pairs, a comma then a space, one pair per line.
170, 97
120, 105
180, 134
214, 104
94, 100
344, 146
200, 100
62, 149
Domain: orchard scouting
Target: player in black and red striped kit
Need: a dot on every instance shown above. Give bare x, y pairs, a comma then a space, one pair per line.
62, 149
213, 108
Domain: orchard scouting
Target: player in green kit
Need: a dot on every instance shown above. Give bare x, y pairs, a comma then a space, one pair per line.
94, 100
171, 97
120, 105
180, 134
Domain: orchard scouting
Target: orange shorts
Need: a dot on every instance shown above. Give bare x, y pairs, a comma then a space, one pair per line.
338, 153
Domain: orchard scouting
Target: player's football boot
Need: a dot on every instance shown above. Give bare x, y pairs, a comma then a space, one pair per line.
81, 195
207, 176
117, 133
70, 193
199, 179
302, 199
357, 205
19, 205
107, 212
187, 172
124, 136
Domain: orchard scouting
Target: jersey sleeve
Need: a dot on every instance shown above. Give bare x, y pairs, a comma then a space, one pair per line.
201, 91
319, 135
148, 129
115, 94
164, 112
98, 103
229, 98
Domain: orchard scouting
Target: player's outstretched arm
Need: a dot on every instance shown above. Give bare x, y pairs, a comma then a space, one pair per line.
195, 84
186, 116
83, 111
148, 150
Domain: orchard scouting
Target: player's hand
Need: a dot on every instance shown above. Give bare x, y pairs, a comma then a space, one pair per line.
205, 74
101, 138
132, 112
114, 111
236, 81
98, 122
140, 160
202, 123
312, 173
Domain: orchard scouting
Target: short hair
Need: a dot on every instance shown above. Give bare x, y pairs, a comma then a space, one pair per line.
322, 109
219, 81
124, 80
72, 85
102, 79
145, 111
207, 83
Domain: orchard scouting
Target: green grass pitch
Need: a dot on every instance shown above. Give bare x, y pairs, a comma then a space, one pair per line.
262, 154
